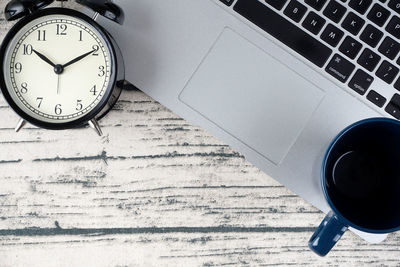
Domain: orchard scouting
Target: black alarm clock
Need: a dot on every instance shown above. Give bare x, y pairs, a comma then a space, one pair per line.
59, 68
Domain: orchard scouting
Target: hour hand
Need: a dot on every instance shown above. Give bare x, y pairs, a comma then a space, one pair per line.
44, 58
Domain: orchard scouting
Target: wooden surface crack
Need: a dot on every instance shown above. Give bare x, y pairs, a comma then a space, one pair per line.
150, 230
103, 156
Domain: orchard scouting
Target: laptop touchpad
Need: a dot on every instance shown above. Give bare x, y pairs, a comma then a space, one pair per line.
252, 96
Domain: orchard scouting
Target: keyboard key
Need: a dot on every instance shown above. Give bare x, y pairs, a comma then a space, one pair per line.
332, 35
389, 48
369, 59
371, 35
393, 110
350, 47
360, 6
313, 22
294, 37
397, 84
317, 4
340, 68
395, 100
376, 98
393, 26
387, 72
295, 10
334, 11
227, 2
278, 4
378, 15
395, 5
353, 23
361, 82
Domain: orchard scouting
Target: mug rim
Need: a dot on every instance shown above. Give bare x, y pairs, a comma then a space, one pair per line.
346, 221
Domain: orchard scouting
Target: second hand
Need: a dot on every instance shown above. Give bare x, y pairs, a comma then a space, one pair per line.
58, 83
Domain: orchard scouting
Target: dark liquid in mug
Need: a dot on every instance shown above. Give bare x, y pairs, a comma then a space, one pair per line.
363, 176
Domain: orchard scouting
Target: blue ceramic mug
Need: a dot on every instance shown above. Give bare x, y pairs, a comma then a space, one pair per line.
361, 182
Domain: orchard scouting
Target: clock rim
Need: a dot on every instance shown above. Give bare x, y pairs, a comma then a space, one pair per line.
79, 122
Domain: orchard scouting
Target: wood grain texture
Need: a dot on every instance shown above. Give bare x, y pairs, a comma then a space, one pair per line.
154, 191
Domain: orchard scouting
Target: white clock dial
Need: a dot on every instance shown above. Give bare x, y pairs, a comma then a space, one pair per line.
57, 68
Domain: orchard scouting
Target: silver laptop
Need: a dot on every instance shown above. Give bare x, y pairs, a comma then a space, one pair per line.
275, 79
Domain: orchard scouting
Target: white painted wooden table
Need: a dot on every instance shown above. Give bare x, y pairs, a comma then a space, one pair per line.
154, 191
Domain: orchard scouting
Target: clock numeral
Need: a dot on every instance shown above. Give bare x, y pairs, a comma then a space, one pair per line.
80, 36
96, 48
58, 110
40, 100
41, 35
24, 88
94, 90
61, 29
18, 67
79, 105
28, 49
102, 71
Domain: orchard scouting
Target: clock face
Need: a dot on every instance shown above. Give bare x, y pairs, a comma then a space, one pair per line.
58, 68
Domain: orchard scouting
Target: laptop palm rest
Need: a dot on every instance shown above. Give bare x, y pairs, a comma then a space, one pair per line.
252, 96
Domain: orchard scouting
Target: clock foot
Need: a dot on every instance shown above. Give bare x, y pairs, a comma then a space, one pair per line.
128, 86
94, 124
20, 125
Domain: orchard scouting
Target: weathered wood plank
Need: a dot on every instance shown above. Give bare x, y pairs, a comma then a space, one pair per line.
183, 249
153, 191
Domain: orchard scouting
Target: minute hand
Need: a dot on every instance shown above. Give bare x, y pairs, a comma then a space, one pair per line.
78, 58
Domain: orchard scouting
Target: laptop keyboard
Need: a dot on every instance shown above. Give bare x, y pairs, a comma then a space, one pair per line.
355, 41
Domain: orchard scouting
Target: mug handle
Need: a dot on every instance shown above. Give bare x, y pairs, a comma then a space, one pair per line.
327, 234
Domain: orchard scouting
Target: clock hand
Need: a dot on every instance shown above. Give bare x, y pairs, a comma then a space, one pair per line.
44, 58
58, 83
78, 58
